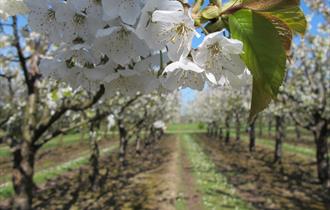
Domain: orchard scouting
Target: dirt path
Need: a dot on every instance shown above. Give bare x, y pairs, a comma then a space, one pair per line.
292, 186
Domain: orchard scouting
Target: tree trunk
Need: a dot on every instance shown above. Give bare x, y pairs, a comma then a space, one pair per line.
106, 132
320, 137
280, 135
82, 133
227, 139
152, 135
221, 134
238, 128
123, 144
147, 137
94, 158
24, 157
252, 136
270, 125
138, 143
298, 133
23, 171
260, 127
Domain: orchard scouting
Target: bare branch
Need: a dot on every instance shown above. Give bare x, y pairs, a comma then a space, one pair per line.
63, 131
41, 129
22, 60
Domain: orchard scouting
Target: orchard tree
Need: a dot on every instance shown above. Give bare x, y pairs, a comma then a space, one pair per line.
150, 47
127, 46
308, 88
33, 113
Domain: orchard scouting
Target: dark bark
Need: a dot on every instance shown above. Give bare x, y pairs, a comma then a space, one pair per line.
298, 133
238, 128
261, 131
221, 134
152, 135
82, 133
215, 130
147, 139
252, 136
280, 135
227, 124
138, 143
23, 170
320, 138
123, 143
270, 126
94, 157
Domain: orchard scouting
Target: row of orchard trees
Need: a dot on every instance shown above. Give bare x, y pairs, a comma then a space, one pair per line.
303, 101
34, 110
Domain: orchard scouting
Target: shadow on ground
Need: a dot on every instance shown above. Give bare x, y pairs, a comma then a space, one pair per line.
265, 185
118, 188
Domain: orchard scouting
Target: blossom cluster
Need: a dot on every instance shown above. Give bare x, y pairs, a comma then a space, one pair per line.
132, 46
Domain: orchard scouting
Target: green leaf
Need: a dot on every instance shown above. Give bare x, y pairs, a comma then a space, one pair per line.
293, 17
283, 31
263, 54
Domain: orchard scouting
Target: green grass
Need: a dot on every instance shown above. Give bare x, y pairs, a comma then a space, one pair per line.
217, 193
186, 128
180, 203
68, 139
40, 177
4, 151
287, 147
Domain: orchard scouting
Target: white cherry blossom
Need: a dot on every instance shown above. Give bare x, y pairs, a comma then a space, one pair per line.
177, 30
149, 30
121, 44
182, 74
42, 18
11, 8
128, 10
220, 57
80, 24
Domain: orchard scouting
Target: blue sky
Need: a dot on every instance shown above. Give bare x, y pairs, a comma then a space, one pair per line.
188, 95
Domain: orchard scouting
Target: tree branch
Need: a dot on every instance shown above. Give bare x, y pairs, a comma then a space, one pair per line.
41, 129
22, 60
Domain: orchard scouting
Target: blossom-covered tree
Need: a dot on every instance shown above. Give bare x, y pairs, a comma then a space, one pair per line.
135, 45
308, 87
130, 46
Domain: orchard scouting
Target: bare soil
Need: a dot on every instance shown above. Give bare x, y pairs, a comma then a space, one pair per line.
146, 183
293, 185
52, 157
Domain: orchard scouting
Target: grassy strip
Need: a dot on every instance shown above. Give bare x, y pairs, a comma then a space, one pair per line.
217, 193
287, 147
184, 131
4, 151
186, 127
67, 140
6, 190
